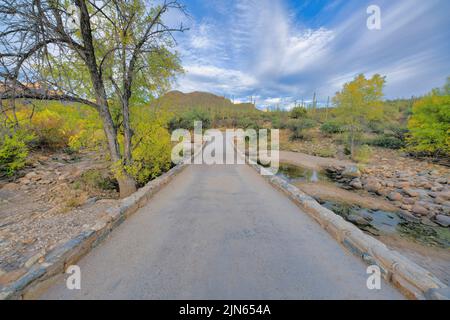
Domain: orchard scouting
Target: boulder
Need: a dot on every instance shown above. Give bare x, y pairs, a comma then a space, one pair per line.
402, 185
406, 207
411, 192
372, 185
445, 195
389, 184
427, 185
395, 196
409, 201
11, 186
24, 181
358, 220
437, 187
356, 184
351, 171
442, 220
420, 210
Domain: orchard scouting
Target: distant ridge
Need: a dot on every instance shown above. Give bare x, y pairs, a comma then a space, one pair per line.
179, 101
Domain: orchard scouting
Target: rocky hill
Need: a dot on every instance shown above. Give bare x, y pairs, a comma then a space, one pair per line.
179, 101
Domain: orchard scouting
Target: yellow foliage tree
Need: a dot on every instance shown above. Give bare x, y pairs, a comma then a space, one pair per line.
359, 102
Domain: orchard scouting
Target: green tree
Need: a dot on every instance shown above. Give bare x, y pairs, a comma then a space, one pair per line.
359, 102
112, 51
298, 112
429, 124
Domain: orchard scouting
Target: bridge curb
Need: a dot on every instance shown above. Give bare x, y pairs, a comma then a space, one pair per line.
40, 276
411, 279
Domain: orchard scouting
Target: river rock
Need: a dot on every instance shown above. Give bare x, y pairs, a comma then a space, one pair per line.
411, 192
372, 185
442, 220
409, 201
395, 196
420, 210
437, 187
445, 194
446, 210
356, 219
356, 183
11, 186
31, 175
351, 172
24, 181
406, 207
427, 185
402, 185
439, 200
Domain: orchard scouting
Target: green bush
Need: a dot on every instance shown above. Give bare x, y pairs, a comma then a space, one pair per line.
279, 123
362, 154
297, 127
187, 119
386, 141
13, 152
331, 128
429, 125
325, 151
247, 123
58, 126
48, 127
298, 113
95, 179
151, 146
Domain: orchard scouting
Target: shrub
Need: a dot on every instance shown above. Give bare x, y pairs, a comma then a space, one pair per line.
298, 112
362, 153
48, 128
387, 141
187, 119
151, 146
56, 126
13, 152
376, 126
325, 151
331, 128
95, 179
429, 125
279, 123
297, 127
247, 123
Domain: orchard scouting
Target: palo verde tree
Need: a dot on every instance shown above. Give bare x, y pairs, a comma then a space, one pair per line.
104, 54
429, 125
359, 102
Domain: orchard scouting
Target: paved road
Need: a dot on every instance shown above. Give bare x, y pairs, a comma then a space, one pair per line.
220, 232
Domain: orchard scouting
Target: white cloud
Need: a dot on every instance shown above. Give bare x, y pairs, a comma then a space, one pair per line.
260, 47
215, 79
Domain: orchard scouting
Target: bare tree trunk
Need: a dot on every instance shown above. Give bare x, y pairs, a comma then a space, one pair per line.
127, 185
352, 142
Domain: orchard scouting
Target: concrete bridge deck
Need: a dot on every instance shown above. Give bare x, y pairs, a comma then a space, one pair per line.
220, 232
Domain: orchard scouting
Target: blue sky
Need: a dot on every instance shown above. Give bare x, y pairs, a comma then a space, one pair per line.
280, 51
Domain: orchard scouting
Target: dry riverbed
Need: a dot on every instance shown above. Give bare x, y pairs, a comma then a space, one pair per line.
418, 236
56, 197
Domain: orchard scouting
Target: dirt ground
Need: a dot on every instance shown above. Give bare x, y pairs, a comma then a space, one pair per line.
56, 197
